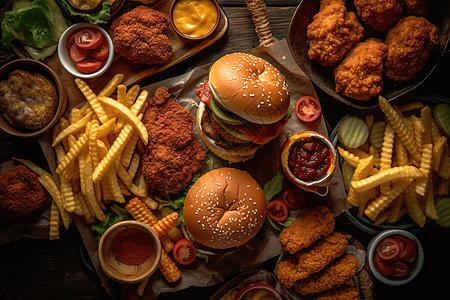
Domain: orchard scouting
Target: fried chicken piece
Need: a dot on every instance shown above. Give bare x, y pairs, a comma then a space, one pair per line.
304, 231
343, 292
173, 154
335, 274
418, 7
138, 36
332, 33
22, 197
312, 259
380, 14
409, 45
359, 75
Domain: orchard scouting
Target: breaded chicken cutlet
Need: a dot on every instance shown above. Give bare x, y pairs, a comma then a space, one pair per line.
359, 75
335, 274
312, 259
306, 230
380, 14
332, 33
138, 36
173, 154
22, 197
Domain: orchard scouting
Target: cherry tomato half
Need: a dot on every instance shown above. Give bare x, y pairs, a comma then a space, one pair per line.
278, 210
77, 54
383, 266
100, 53
308, 109
184, 252
88, 65
388, 249
408, 248
400, 268
88, 38
294, 198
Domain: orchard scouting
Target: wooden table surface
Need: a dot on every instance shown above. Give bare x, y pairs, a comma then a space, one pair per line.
43, 269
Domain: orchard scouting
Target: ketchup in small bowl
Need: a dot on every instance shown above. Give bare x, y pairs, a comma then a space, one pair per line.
309, 160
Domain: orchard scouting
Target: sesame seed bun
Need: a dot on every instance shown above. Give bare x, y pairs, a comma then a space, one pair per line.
224, 208
250, 87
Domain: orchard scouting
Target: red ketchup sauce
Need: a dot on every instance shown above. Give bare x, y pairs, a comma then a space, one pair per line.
309, 159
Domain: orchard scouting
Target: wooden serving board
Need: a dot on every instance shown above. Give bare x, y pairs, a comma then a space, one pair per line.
182, 49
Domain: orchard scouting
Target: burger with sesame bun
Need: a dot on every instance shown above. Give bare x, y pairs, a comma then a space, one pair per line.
244, 104
224, 209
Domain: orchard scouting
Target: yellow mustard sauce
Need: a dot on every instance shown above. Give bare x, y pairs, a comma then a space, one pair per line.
194, 17
258, 295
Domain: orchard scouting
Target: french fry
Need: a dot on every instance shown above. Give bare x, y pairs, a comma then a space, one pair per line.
129, 116
72, 128
129, 149
139, 211
51, 187
106, 128
168, 268
443, 188
365, 197
92, 99
401, 152
165, 224
438, 150
152, 204
383, 201
425, 116
67, 195
430, 206
126, 178
425, 167
395, 209
412, 206
444, 168
132, 93
419, 132
72, 154
385, 176
112, 84
78, 208
386, 155
90, 193
410, 106
54, 221
358, 152
134, 166
376, 156
362, 171
399, 127
435, 134
352, 159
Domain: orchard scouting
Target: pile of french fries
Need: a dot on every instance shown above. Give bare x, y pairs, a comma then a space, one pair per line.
408, 172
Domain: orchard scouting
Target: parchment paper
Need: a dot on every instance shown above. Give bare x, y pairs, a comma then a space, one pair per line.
262, 167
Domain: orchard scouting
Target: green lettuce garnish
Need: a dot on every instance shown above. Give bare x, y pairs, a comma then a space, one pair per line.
98, 17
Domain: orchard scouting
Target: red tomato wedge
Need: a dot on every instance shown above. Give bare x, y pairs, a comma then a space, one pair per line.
278, 210
184, 252
88, 38
383, 266
388, 249
408, 248
308, 109
100, 53
400, 268
77, 54
88, 65
294, 198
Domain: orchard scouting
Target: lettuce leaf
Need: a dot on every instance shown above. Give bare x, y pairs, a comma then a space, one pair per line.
98, 17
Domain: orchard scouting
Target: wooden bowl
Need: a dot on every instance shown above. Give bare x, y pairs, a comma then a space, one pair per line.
120, 271
34, 66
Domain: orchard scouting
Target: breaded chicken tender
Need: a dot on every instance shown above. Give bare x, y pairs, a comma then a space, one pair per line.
304, 231
359, 75
312, 259
380, 14
418, 7
332, 33
335, 274
343, 292
409, 45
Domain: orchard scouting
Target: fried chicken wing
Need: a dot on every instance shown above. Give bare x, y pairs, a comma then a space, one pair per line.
380, 14
343, 292
359, 75
332, 33
418, 7
173, 154
304, 231
335, 274
312, 259
409, 45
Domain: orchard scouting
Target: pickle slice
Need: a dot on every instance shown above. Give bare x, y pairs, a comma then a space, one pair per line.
377, 134
347, 173
353, 132
441, 115
443, 210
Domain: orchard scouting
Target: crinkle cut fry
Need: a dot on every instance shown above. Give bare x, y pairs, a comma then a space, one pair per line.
139, 211
168, 268
165, 224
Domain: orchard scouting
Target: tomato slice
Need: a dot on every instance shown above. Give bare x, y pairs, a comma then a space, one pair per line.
278, 210
400, 269
88, 38
408, 248
184, 252
388, 249
383, 266
100, 53
294, 198
77, 54
308, 109
88, 65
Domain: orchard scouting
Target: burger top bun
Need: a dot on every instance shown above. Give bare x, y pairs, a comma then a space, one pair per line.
224, 208
250, 87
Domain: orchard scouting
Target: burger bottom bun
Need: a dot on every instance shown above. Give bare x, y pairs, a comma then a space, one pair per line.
237, 154
225, 208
